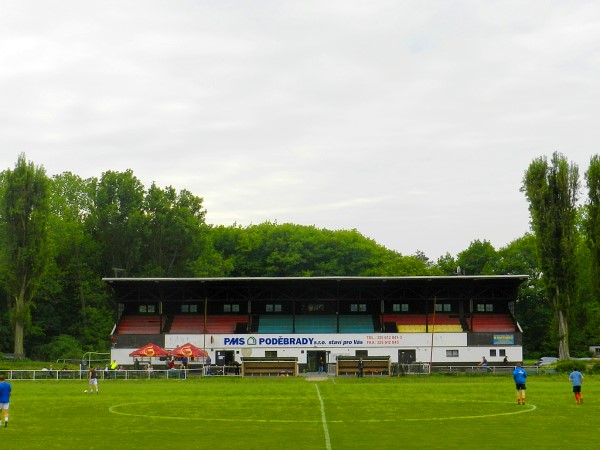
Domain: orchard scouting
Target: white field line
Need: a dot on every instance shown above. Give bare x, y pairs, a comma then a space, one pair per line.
114, 409
324, 420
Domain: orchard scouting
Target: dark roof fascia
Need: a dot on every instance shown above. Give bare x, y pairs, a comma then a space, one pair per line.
343, 278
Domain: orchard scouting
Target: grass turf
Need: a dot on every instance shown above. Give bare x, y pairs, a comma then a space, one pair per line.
294, 413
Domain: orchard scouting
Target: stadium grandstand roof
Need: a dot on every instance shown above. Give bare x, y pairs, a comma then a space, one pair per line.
342, 287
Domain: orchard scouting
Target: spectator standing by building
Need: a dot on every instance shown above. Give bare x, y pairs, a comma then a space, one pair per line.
576, 379
184, 366
5, 393
361, 366
207, 363
113, 368
520, 377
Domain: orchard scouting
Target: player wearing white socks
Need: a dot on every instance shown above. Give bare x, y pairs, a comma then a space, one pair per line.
5, 393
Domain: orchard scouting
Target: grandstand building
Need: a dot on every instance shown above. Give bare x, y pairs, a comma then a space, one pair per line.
442, 321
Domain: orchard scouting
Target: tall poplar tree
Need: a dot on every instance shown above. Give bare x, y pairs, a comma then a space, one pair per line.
552, 192
118, 222
592, 217
25, 251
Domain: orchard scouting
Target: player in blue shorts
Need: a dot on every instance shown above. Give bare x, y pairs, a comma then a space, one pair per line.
576, 378
520, 376
5, 393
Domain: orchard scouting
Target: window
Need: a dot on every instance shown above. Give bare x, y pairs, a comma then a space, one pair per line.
492, 353
451, 353
185, 308
147, 309
485, 307
269, 308
502, 352
358, 307
231, 308
443, 307
400, 307
316, 307
270, 354
362, 353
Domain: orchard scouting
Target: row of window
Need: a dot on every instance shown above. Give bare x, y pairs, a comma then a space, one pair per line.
316, 307
358, 353
493, 353
364, 353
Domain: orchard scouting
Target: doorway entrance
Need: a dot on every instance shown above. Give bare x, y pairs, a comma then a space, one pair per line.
224, 357
406, 356
405, 359
316, 360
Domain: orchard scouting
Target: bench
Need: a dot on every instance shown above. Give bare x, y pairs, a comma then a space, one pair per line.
271, 371
371, 366
269, 367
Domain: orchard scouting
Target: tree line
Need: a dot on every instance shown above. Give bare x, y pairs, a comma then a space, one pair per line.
62, 234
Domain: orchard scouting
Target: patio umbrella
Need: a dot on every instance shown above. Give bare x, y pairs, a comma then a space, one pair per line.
150, 351
189, 350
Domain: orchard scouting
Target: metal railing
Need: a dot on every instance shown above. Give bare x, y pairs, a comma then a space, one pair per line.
38, 375
493, 370
397, 370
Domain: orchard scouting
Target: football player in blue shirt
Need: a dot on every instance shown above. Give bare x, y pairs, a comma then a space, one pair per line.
520, 376
576, 378
5, 392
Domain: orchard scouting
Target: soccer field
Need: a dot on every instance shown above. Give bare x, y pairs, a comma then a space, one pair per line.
295, 413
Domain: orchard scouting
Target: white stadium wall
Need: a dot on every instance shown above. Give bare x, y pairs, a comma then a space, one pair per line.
376, 344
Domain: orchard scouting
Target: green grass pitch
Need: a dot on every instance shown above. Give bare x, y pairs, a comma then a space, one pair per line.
296, 413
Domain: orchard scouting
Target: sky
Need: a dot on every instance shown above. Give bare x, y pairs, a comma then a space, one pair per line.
412, 122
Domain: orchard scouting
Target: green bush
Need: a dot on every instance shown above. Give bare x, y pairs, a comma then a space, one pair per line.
61, 347
595, 367
567, 365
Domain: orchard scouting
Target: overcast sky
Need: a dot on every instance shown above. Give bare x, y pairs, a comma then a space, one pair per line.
412, 122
